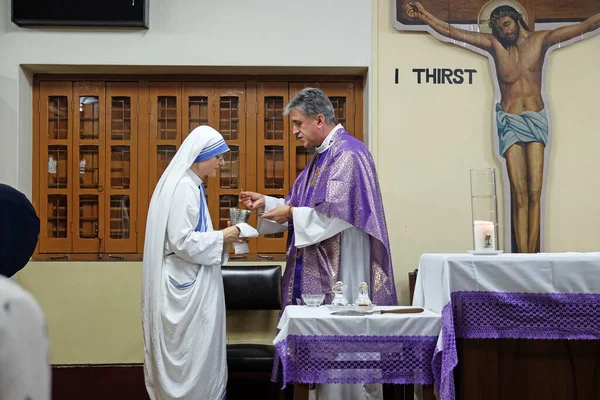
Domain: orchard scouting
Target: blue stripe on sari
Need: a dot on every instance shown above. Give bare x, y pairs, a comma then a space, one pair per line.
203, 220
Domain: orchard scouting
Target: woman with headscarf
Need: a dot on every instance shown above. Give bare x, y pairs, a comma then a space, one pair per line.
19, 230
183, 305
24, 368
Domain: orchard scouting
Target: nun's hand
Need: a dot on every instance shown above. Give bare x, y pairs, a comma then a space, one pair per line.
231, 234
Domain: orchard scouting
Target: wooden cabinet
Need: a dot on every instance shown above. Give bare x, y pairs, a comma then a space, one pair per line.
121, 169
223, 191
273, 143
55, 203
88, 186
101, 145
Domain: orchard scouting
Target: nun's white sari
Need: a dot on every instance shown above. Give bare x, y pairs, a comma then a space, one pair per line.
183, 306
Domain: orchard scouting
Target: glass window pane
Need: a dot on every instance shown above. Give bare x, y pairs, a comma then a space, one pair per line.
119, 217
120, 164
58, 167
89, 167
58, 117
167, 117
88, 216
273, 118
120, 118
89, 117
225, 202
274, 167
339, 107
229, 174
164, 156
57, 216
197, 112
229, 117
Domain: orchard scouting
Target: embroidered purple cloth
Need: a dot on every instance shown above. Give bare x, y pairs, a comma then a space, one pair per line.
357, 359
315, 167
486, 315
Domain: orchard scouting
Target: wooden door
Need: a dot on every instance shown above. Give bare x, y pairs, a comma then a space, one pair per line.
273, 136
56, 178
165, 127
121, 186
88, 166
223, 191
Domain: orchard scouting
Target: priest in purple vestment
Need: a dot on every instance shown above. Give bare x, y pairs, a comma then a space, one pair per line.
334, 211
334, 214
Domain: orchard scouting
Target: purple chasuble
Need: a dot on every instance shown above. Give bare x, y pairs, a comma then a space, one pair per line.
340, 183
315, 167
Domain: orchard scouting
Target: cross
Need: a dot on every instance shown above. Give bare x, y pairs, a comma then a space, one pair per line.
540, 11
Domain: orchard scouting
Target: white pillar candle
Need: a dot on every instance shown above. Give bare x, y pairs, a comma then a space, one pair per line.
485, 237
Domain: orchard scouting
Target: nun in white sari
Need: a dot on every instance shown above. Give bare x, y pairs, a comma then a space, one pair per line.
183, 306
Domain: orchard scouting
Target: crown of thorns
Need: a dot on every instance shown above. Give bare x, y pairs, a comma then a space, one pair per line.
504, 11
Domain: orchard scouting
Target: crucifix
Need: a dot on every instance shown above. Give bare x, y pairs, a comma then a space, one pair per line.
512, 35
538, 11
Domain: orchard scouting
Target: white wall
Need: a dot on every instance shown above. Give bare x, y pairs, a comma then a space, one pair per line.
324, 33
93, 308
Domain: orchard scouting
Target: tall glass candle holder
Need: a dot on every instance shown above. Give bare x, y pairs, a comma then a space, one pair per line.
484, 207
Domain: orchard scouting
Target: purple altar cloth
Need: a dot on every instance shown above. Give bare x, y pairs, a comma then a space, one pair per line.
494, 315
357, 359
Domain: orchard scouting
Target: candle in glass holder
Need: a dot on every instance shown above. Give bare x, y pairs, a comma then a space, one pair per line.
484, 235
484, 207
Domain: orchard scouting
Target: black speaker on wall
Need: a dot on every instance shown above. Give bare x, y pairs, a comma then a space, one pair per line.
115, 13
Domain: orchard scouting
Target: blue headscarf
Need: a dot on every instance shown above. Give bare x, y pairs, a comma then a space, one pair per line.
19, 230
215, 147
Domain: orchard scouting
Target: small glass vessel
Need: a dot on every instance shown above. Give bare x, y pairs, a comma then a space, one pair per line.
363, 295
338, 294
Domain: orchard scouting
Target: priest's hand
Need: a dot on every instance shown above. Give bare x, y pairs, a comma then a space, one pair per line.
252, 200
280, 214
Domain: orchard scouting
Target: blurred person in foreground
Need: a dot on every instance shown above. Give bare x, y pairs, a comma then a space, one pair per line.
24, 367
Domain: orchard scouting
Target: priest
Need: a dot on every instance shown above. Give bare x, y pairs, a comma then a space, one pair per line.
335, 217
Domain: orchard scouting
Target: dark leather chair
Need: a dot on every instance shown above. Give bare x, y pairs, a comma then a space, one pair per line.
252, 288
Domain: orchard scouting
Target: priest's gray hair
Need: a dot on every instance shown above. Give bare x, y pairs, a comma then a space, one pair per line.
312, 102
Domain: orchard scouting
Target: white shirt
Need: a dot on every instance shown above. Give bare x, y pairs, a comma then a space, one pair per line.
24, 367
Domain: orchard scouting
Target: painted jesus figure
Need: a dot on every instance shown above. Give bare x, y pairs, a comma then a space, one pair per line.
518, 54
